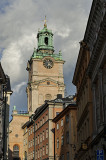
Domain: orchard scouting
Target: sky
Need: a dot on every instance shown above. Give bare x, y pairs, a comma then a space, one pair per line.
20, 21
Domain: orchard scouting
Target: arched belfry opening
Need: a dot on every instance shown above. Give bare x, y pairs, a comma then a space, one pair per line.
46, 40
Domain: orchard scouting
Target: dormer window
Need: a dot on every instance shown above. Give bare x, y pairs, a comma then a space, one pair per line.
46, 40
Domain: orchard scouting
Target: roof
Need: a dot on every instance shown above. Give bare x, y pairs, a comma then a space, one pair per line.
25, 124
2, 75
8, 86
65, 111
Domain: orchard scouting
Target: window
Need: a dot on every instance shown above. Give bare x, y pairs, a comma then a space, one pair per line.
40, 122
43, 120
36, 140
43, 150
43, 135
29, 132
62, 122
16, 151
33, 141
33, 154
57, 126
48, 97
29, 144
40, 137
62, 140
46, 40
46, 148
38, 153
46, 117
46, 133
67, 137
67, 156
26, 129
62, 157
57, 143
36, 126
33, 128
24, 142
67, 118
57, 113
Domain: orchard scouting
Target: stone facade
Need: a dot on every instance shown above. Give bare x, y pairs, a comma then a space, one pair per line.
16, 135
45, 72
66, 133
90, 78
5, 92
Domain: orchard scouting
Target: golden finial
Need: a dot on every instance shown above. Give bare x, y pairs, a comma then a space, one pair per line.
45, 25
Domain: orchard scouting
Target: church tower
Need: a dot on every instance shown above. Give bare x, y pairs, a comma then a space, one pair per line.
45, 70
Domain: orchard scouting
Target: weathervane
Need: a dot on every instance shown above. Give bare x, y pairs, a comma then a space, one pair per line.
45, 25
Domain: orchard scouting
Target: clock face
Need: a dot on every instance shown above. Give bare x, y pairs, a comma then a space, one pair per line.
48, 63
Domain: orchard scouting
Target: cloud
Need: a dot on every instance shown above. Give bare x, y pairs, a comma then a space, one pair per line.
17, 88
20, 20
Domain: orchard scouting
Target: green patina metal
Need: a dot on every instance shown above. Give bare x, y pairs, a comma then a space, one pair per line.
40, 55
45, 43
42, 35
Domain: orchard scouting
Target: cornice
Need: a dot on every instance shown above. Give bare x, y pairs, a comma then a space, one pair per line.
98, 47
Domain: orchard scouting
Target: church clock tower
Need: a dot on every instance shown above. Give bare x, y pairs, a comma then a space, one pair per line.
45, 71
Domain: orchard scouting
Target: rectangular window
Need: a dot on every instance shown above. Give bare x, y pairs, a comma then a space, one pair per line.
57, 143
43, 150
29, 144
38, 153
46, 148
62, 140
24, 142
43, 120
62, 157
40, 137
40, 122
46, 117
68, 156
67, 137
57, 125
62, 122
31, 130
67, 118
46, 133
33, 154
36, 140
33, 141
43, 135
36, 127
57, 113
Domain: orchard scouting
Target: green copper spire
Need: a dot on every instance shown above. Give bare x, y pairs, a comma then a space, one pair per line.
45, 44
45, 39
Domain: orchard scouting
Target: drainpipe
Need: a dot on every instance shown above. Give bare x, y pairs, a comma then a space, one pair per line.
54, 143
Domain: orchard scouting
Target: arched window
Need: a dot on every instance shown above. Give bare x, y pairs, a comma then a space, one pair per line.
48, 97
16, 151
46, 40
